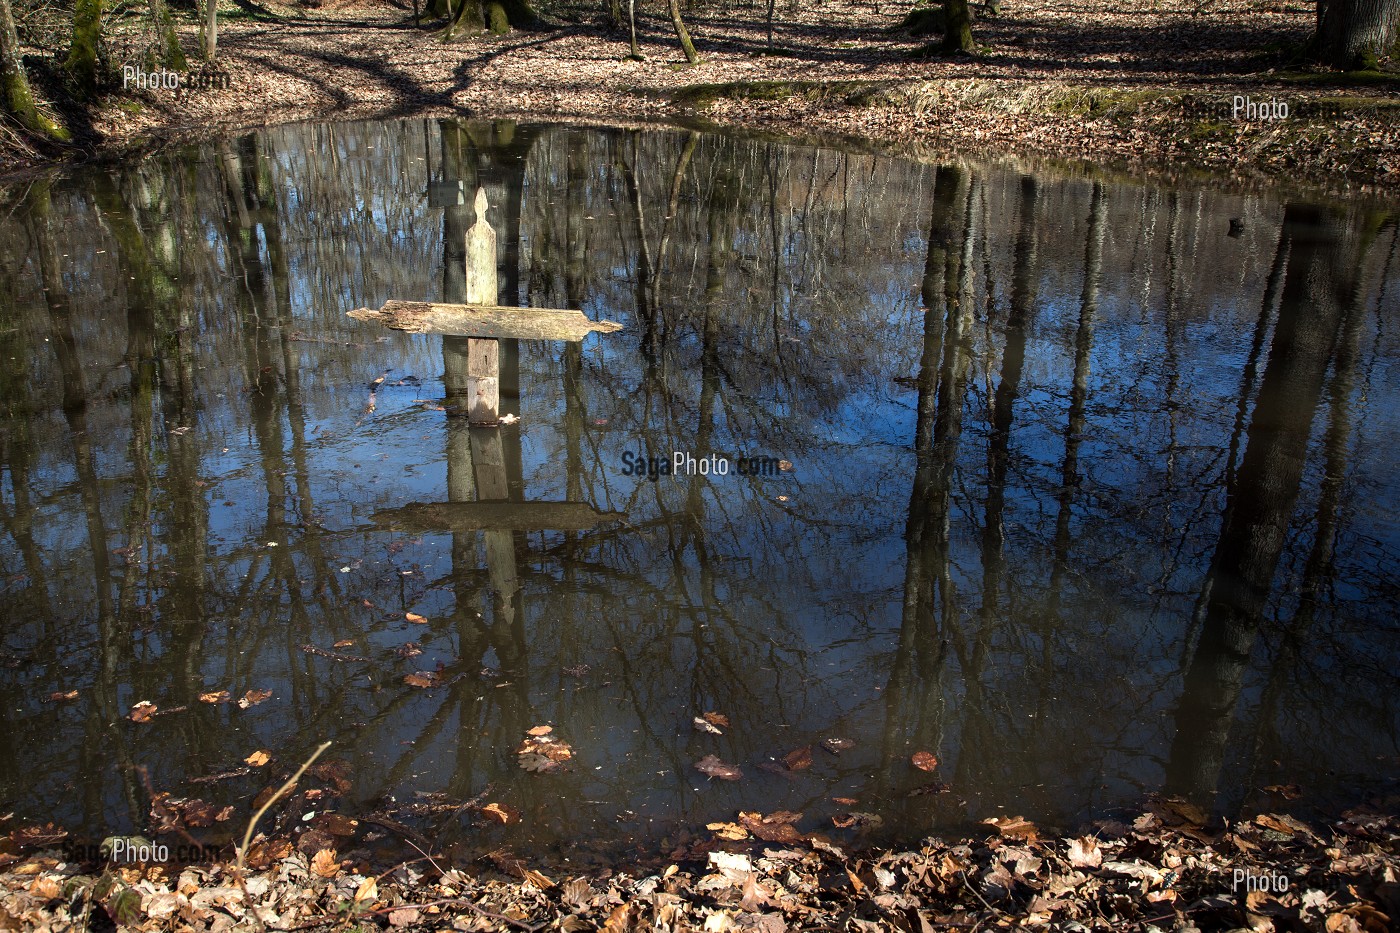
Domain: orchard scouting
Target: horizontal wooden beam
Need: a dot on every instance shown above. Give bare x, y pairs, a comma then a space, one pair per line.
425, 317
434, 517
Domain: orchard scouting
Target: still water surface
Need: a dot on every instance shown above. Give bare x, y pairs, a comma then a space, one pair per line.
1093, 489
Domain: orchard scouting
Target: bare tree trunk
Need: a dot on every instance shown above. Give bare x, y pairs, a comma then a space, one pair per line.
14, 84
684, 34
1354, 33
209, 30
632, 22
957, 26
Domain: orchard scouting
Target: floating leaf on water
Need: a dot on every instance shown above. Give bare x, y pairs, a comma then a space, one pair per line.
1013, 827
730, 831
775, 827
415, 618
325, 864
502, 813
924, 761
1286, 791
253, 698
538, 764
857, 819
799, 759
837, 745
423, 679
703, 725
711, 766
142, 712
344, 643
59, 695
539, 730
785, 466
717, 719
408, 649
542, 751
220, 696
258, 758
845, 801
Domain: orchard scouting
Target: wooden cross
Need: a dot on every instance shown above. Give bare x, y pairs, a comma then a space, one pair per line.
483, 321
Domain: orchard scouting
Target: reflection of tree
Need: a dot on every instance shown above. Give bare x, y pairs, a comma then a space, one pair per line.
1260, 502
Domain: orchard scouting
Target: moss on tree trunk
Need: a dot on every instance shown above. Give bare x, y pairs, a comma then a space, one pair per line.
14, 84
682, 33
957, 20
82, 63
168, 52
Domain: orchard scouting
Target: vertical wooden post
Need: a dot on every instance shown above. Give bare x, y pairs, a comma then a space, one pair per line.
483, 354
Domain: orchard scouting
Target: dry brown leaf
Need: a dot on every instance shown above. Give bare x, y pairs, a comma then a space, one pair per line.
924, 761
423, 679
702, 724
325, 864
220, 696
404, 917
1085, 853
253, 698
775, 827
540, 730
142, 712
837, 745
799, 759
367, 892
502, 813
845, 801
716, 719
344, 643
415, 618
45, 889
60, 695
711, 766
1013, 827
731, 831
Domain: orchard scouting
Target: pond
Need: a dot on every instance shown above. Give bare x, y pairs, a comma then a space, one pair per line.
1081, 487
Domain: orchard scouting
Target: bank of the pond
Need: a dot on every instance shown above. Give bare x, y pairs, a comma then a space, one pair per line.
1160, 871
1159, 89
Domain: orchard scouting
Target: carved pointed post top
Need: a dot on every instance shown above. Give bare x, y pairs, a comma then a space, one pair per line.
481, 257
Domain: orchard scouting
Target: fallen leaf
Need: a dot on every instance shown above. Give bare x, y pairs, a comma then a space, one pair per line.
717, 719
403, 917
775, 827
540, 730
142, 712
711, 766
1286, 791
857, 819
836, 745
45, 889
1084, 853
799, 759
730, 831
501, 813
784, 465
845, 801
1013, 827
415, 618
59, 695
344, 643
258, 758
367, 892
924, 761
408, 649
423, 679
704, 725
220, 696
325, 864
253, 698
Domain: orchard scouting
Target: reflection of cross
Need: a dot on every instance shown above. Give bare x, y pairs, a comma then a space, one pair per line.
483, 321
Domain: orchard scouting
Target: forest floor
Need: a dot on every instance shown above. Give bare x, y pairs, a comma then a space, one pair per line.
1167, 869
1146, 85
